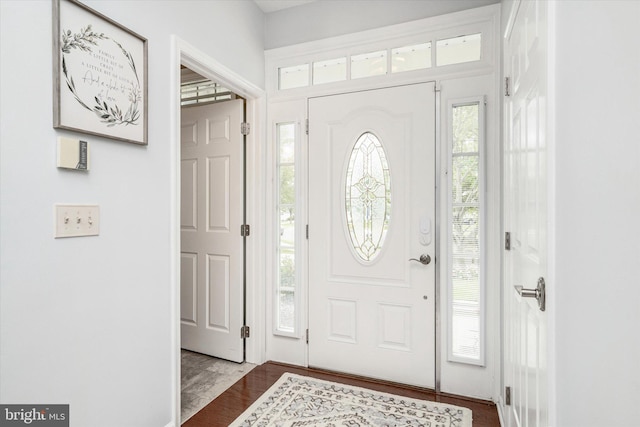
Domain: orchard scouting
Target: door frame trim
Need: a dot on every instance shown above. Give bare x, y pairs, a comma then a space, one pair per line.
436, 240
183, 53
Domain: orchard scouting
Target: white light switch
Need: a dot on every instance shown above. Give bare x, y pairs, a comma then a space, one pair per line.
77, 220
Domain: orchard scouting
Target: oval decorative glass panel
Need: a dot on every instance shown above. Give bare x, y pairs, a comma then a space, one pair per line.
368, 196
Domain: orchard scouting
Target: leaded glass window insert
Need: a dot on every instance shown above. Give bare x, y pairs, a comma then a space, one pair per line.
368, 197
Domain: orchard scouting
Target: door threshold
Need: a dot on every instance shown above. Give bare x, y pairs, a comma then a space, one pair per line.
384, 383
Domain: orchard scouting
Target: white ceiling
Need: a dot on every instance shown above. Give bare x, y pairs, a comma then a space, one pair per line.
269, 6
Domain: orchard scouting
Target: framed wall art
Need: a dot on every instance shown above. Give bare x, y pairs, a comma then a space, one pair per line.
100, 74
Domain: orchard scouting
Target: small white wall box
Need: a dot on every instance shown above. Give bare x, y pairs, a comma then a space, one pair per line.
73, 154
76, 220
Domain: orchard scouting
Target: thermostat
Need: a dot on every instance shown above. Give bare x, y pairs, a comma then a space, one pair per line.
73, 154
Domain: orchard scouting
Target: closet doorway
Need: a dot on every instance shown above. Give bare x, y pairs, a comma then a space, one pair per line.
211, 215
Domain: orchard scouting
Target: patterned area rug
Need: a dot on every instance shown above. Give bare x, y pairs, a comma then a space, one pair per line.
296, 400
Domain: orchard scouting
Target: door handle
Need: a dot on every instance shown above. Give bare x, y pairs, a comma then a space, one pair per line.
424, 259
539, 293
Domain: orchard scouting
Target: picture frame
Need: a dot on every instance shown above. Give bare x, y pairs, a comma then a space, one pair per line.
99, 75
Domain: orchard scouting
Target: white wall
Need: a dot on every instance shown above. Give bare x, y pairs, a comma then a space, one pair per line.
86, 321
597, 72
329, 18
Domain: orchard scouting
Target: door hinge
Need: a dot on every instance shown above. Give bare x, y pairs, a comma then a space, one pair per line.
245, 128
245, 332
507, 88
306, 126
307, 333
507, 241
307, 231
245, 230
507, 396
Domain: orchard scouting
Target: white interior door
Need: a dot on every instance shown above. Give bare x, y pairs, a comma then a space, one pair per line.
525, 180
211, 283
372, 208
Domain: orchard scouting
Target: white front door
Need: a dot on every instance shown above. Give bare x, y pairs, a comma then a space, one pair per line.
525, 218
211, 282
372, 208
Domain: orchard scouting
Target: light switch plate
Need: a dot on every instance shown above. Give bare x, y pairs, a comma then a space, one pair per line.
77, 220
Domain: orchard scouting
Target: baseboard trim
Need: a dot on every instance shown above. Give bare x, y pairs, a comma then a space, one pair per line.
499, 406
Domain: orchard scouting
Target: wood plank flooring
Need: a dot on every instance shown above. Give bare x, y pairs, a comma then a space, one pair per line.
233, 402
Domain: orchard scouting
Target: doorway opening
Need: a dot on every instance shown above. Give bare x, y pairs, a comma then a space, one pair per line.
212, 263
212, 215
217, 219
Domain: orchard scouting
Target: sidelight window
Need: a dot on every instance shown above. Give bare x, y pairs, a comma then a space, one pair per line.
286, 239
466, 239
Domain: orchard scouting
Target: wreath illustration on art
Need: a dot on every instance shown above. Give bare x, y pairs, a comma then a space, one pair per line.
108, 111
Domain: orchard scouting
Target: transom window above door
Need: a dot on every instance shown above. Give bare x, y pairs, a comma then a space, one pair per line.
395, 59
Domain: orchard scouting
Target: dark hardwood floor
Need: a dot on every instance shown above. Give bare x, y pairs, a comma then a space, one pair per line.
233, 402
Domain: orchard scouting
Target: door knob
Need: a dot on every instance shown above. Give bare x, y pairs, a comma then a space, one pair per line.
539, 293
424, 259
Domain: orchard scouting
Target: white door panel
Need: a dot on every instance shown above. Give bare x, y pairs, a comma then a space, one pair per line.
372, 315
525, 216
211, 215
